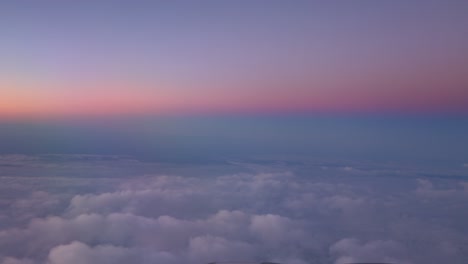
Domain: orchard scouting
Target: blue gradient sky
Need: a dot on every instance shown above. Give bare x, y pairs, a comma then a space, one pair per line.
182, 80
425, 140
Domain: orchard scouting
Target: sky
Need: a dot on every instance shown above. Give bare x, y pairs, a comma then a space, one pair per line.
106, 58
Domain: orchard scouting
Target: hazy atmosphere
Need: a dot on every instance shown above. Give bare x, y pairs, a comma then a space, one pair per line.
190, 132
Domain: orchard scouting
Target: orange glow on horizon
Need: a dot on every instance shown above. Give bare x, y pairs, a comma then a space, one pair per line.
413, 91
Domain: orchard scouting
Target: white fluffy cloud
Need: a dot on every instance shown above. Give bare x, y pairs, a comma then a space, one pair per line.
80, 253
351, 250
280, 217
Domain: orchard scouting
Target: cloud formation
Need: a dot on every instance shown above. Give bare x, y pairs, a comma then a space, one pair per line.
276, 216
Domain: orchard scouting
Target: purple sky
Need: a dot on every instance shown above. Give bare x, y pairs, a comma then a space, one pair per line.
63, 58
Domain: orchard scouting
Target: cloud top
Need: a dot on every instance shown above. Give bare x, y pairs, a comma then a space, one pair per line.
281, 217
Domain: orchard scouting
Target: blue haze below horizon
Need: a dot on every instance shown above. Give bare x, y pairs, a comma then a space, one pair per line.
193, 139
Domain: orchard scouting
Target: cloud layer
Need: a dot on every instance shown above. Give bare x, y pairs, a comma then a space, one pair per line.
280, 216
